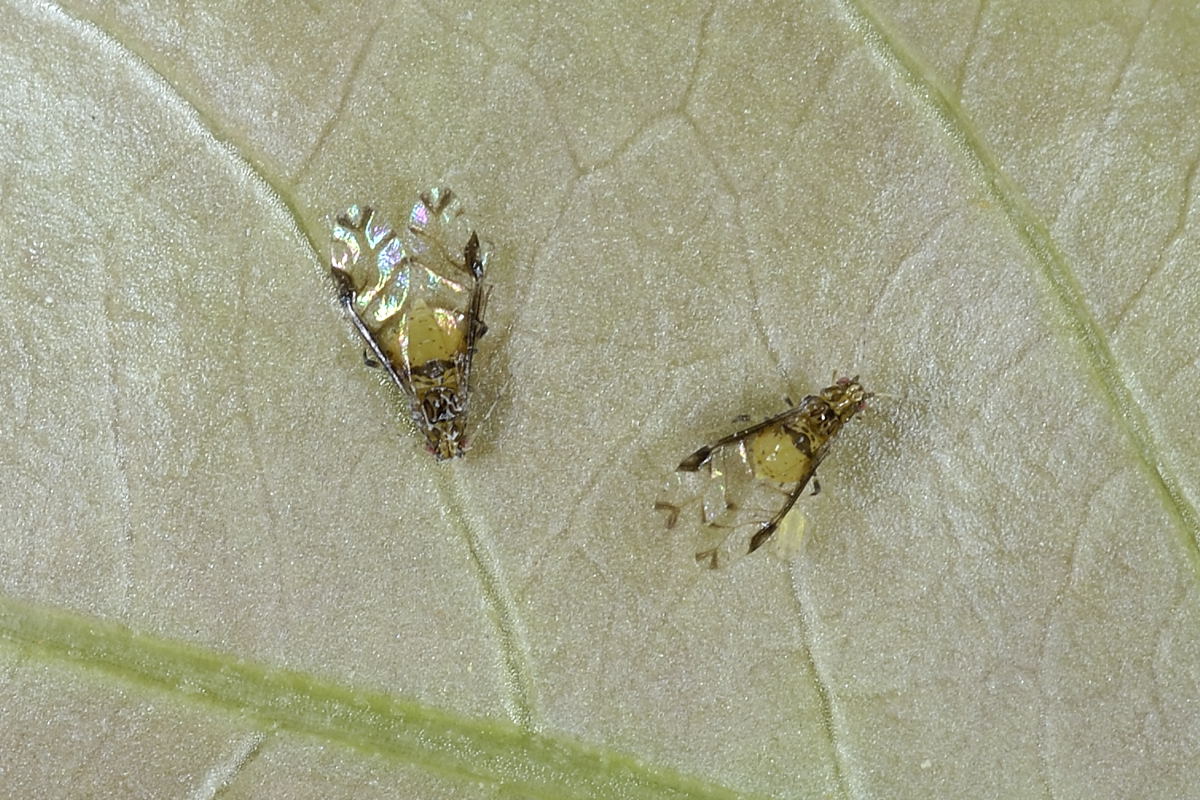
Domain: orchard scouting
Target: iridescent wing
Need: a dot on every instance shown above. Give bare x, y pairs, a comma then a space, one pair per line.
417, 299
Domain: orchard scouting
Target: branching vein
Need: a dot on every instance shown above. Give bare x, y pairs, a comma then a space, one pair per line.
1053, 266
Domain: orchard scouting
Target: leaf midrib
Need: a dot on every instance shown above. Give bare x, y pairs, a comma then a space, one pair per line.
463, 748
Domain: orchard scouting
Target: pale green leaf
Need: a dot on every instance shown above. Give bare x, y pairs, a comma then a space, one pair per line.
227, 569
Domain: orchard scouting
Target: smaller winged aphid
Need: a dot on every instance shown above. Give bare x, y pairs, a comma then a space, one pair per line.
417, 297
738, 489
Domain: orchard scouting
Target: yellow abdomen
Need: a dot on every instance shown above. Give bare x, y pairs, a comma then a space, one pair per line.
422, 335
434, 334
775, 456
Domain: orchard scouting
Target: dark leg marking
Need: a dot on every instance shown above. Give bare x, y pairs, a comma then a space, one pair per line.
760, 538
695, 460
471, 256
672, 512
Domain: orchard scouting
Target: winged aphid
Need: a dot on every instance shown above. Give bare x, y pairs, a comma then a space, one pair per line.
417, 299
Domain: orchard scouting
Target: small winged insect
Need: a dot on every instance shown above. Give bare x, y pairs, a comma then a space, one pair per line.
739, 488
417, 298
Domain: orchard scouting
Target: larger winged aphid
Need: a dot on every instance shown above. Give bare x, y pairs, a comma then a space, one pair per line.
416, 297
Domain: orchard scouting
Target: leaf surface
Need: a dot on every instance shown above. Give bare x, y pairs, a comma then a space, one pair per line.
227, 569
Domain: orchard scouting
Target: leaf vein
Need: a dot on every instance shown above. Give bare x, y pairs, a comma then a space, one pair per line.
1033, 232
457, 747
